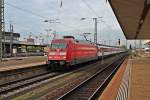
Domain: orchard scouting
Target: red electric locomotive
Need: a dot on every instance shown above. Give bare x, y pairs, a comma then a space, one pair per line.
68, 51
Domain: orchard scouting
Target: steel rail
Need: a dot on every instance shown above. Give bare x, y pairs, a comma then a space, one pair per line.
12, 86
24, 72
25, 82
106, 80
72, 91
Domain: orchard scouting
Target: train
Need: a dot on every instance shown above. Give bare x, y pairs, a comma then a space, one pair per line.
66, 52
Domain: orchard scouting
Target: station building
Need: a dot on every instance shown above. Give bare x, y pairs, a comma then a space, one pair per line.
13, 46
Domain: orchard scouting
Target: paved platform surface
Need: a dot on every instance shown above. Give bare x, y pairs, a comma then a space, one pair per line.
140, 78
21, 62
134, 84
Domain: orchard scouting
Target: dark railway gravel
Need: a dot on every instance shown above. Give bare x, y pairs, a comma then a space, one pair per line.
89, 87
74, 81
53, 87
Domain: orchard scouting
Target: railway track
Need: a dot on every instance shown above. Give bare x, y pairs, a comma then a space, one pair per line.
22, 73
18, 86
11, 88
89, 88
19, 80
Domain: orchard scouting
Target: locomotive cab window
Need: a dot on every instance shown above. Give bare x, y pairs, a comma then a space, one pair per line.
58, 45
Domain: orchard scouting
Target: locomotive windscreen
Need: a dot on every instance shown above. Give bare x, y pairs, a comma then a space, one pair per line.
58, 45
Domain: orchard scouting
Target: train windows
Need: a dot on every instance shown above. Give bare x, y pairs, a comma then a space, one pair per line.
58, 45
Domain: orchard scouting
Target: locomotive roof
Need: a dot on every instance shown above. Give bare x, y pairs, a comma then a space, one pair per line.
87, 42
61, 39
83, 41
77, 41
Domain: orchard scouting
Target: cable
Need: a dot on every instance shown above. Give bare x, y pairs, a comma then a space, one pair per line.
90, 7
35, 14
95, 12
43, 17
27, 11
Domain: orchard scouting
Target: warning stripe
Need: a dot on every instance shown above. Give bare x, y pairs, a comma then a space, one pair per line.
123, 89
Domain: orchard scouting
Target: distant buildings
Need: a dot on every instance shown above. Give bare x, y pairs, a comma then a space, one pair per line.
30, 40
8, 36
9, 41
12, 44
147, 43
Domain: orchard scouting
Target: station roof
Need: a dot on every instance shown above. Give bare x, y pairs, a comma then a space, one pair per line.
133, 17
14, 34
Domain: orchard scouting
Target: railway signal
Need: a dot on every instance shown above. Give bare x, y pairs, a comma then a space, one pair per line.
118, 41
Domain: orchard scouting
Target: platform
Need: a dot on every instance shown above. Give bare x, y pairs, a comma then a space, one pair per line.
21, 62
131, 82
140, 79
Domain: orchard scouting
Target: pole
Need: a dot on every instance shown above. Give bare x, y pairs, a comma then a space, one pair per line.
126, 44
47, 36
2, 27
11, 38
1, 33
140, 44
102, 57
95, 30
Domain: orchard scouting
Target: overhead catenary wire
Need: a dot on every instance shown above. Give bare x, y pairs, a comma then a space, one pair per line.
90, 7
43, 17
25, 10
35, 14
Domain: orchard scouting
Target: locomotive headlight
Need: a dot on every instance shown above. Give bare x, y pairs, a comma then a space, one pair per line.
51, 53
50, 57
57, 53
62, 53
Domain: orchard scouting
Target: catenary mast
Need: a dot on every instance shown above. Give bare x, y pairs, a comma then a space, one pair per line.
2, 29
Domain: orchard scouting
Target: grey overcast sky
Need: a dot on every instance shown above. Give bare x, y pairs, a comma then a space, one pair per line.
27, 16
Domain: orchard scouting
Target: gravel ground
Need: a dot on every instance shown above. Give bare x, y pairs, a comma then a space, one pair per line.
110, 93
22, 62
140, 79
56, 84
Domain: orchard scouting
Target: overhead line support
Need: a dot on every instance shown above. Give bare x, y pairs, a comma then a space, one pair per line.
2, 30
